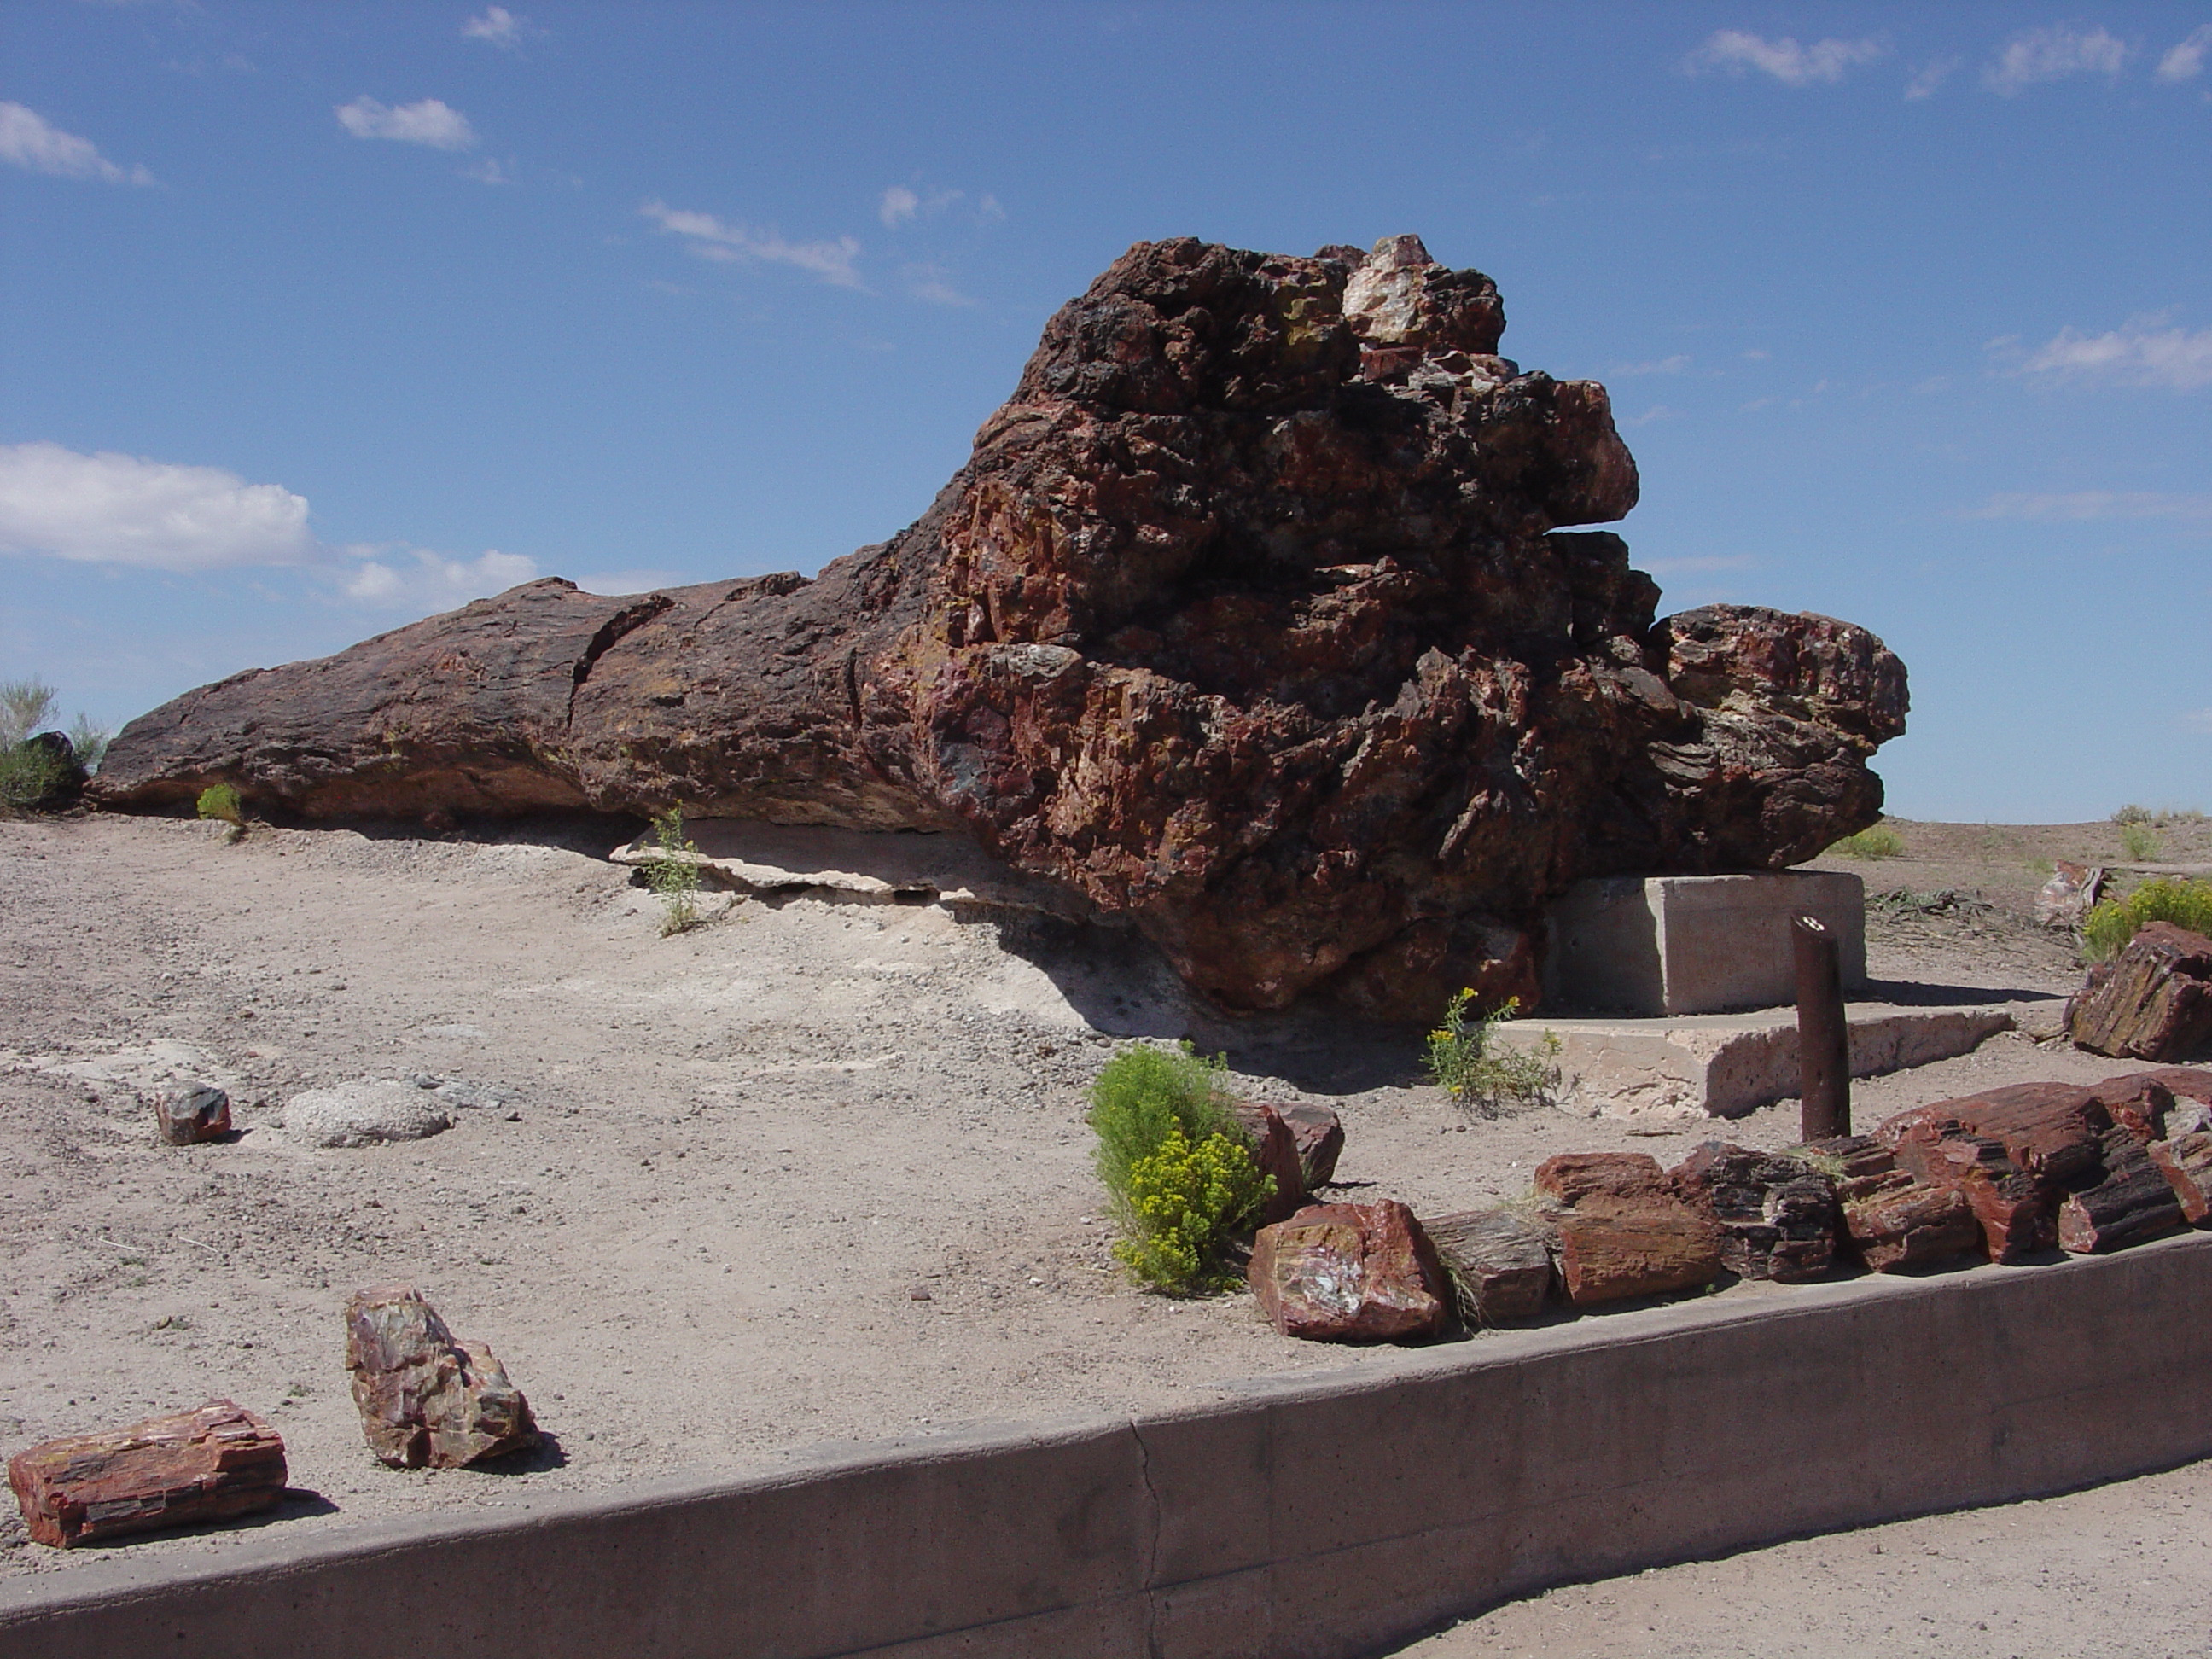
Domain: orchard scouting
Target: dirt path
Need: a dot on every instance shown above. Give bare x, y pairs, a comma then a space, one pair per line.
811, 1172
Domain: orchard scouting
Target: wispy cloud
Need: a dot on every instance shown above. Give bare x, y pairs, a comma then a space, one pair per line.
498, 27
929, 283
2053, 54
428, 121
1736, 52
1930, 76
713, 239
1656, 412
487, 171
432, 581
901, 205
2139, 353
2091, 505
2184, 61
29, 141
1674, 365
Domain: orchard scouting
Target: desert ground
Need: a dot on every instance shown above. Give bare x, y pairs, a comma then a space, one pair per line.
813, 1171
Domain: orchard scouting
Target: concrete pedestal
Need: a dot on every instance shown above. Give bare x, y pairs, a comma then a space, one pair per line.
1693, 944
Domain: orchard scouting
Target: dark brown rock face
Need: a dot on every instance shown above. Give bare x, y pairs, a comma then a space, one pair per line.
2152, 1001
1250, 621
1777, 1216
208, 1465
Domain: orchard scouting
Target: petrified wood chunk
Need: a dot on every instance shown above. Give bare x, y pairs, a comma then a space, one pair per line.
1776, 1215
2152, 1001
1841, 1157
1249, 620
207, 1465
1570, 1177
1499, 1266
1350, 1273
425, 1398
2053, 1131
1276, 1151
185, 1116
1319, 1134
1895, 1222
1612, 1248
2183, 1082
2017, 1215
2132, 1203
2185, 1161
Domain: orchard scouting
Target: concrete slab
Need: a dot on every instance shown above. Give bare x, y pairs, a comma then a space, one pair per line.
1693, 944
1314, 1517
1726, 1065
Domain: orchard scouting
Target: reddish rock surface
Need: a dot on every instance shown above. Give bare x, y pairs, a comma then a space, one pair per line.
184, 1117
2053, 1131
1570, 1177
1350, 1273
1894, 1222
2132, 1202
1776, 1215
425, 1398
2186, 1162
1499, 1266
1621, 1229
2152, 1001
212, 1464
1250, 620
1319, 1134
2018, 1215
1275, 1150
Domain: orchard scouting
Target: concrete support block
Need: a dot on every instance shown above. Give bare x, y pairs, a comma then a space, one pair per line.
1693, 944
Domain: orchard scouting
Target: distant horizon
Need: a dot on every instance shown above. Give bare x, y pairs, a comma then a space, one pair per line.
314, 321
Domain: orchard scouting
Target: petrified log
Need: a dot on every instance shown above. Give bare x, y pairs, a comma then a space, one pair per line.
425, 1398
184, 1117
1612, 1248
1318, 1133
2137, 1101
2017, 1215
2185, 1161
1350, 1273
219, 1461
1570, 1177
1893, 1221
1776, 1215
2152, 1001
2053, 1131
2133, 1201
1275, 1150
1499, 1266
1249, 621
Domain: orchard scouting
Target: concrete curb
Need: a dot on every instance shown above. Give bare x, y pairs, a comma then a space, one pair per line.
1315, 1517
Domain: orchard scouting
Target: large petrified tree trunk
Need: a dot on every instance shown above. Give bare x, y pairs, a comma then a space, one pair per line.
1250, 620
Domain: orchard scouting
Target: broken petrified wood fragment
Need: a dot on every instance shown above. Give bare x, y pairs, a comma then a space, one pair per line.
1895, 1222
1319, 1133
219, 1461
2152, 1001
2053, 1131
1499, 1266
187, 1116
1350, 1273
1570, 1177
2137, 1101
1275, 1151
1845, 1157
2018, 1215
425, 1398
1621, 1231
1776, 1215
2185, 1161
2132, 1204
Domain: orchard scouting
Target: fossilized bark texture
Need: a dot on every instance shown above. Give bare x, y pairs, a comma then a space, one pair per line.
1250, 620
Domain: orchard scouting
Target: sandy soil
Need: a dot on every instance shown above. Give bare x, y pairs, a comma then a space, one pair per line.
813, 1171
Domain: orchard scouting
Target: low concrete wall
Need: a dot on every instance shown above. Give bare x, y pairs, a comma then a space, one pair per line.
1309, 1519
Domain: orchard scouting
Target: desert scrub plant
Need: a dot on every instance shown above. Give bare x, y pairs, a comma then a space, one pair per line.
33, 775
1462, 1057
674, 876
221, 802
2106, 929
2139, 842
2131, 813
1878, 843
1179, 1178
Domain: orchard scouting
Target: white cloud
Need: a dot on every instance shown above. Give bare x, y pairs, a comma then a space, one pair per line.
711, 239
2185, 60
2053, 54
435, 582
2089, 506
1930, 76
1674, 365
898, 205
28, 140
498, 27
487, 172
428, 121
928, 282
2139, 353
1735, 51
125, 509
1656, 412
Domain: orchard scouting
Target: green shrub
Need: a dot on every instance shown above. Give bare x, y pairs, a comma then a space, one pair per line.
220, 801
674, 876
1879, 842
2139, 842
25, 707
28, 774
2107, 929
1178, 1175
1185, 1201
1460, 1059
2132, 813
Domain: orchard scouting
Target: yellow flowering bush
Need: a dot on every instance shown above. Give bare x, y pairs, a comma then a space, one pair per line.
1184, 1201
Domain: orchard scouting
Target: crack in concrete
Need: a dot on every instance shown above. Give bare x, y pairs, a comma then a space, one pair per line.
1152, 1543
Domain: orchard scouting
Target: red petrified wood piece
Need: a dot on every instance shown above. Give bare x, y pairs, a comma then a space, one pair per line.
2133, 1201
423, 1396
1319, 1133
2152, 1001
207, 1465
2185, 1161
1895, 1222
1776, 1215
1350, 1273
1622, 1229
1500, 1267
1275, 1150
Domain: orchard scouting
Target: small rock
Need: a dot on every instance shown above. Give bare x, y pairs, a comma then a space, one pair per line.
1319, 1134
1499, 1266
2070, 894
186, 1116
1276, 1151
2185, 1161
2132, 1204
425, 1398
1350, 1273
207, 1465
363, 1113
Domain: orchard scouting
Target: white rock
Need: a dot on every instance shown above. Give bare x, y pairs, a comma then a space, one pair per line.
363, 1113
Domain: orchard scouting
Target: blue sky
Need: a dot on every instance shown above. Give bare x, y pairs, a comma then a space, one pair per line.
314, 319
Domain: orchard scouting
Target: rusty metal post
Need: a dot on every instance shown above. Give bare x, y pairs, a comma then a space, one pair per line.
1824, 1036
